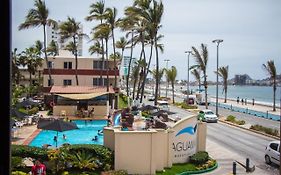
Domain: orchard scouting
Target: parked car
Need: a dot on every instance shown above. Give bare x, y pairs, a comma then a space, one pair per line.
150, 97
272, 152
207, 115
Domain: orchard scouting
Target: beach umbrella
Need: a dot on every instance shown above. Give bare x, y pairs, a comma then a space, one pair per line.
148, 108
162, 112
27, 103
15, 113
56, 125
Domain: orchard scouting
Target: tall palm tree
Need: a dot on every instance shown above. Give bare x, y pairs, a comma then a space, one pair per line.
122, 44
135, 78
38, 16
223, 73
96, 48
160, 76
97, 12
72, 29
201, 58
172, 74
16, 62
32, 60
52, 49
197, 75
110, 17
103, 31
128, 23
270, 69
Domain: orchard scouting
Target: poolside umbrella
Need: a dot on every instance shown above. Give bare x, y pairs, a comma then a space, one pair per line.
56, 125
27, 103
15, 113
162, 112
148, 108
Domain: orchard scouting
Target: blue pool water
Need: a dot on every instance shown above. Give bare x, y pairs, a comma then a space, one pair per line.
249, 111
87, 130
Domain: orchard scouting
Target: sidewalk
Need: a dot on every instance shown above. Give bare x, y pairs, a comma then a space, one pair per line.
256, 107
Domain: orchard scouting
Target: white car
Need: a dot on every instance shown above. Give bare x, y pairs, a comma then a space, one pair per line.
150, 97
272, 152
208, 115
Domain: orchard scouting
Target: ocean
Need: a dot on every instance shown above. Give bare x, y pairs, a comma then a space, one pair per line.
261, 94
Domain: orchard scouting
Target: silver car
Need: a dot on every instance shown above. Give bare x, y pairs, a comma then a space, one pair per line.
272, 152
208, 116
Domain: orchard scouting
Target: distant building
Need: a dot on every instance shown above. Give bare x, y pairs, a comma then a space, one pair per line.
53, 34
240, 79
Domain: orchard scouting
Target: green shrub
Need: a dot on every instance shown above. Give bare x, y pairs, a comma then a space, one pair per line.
19, 173
240, 122
145, 114
104, 156
199, 158
118, 172
16, 162
29, 151
186, 106
33, 110
50, 112
266, 130
23, 110
230, 118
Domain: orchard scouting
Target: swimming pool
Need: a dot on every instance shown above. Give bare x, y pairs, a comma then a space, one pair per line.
87, 130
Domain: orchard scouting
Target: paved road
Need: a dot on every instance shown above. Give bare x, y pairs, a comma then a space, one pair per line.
227, 143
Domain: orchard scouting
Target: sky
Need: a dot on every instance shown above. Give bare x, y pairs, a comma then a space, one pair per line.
250, 30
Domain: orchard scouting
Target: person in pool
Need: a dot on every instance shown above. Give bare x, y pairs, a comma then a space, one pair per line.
95, 138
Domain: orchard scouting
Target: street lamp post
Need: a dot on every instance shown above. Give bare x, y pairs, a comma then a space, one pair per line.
167, 60
188, 52
217, 41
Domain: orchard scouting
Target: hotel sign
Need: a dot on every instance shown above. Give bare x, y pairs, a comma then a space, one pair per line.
185, 140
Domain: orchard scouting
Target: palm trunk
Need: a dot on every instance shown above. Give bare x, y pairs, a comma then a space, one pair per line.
134, 88
225, 97
45, 54
274, 95
114, 59
107, 65
173, 87
146, 73
102, 59
157, 71
205, 84
142, 54
129, 68
76, 62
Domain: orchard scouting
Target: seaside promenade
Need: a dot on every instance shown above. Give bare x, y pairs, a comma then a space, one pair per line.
249, 105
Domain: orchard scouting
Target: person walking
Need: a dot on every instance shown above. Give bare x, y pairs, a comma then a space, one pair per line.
237, 100
38, 168
242, 101
253, 101
245, 101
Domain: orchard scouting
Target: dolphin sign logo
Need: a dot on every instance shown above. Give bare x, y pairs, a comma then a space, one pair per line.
190, 130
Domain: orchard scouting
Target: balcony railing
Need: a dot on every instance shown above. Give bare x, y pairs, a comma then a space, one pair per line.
80, 72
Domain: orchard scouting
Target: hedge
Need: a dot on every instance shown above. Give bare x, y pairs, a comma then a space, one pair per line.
29, 151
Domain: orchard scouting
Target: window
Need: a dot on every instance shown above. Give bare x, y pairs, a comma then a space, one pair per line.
105, 82
66, 82
273, 146
67, 65
96, 81
97, 65
50, 64
50, 82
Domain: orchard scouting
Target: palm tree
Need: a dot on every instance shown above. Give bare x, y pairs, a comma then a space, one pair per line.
97, 12
201, 58
52, 49
135, 78
160, 75
270, 68
103, 31
122, 44
38, 16
171, 75
15, 66
110, 17
223, 73
96, 48
196, 73
72, 29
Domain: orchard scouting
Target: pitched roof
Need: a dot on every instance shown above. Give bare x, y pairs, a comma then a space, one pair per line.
79, 89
